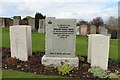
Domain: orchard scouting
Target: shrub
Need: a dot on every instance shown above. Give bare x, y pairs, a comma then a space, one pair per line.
97, 71
64, 69
12, 61
115, 61
113, 76
49, 68
82, 59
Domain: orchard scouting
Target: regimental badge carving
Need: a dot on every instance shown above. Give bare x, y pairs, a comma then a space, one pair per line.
49, 22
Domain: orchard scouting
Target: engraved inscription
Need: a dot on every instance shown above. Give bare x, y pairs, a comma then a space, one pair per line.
63, 31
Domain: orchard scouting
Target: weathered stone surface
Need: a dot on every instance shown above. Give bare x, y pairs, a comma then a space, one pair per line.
20, 40
98, 50
16, 20
42, 26
103, 30
60, 41
31, 22
83, 30
61, 37
56, 61
92, 29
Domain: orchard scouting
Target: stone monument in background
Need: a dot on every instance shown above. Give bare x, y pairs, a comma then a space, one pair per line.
83, 30
92, 29
103, 30
16, 20
31, 22
42, 26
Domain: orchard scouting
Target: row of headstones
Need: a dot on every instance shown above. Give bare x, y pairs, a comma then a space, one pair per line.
60, 44
31, 22
83, 30
80, 30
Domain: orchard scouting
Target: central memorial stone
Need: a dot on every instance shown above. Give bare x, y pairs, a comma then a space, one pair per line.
60, 42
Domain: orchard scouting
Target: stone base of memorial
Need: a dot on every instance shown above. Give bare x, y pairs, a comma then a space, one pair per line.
58, 61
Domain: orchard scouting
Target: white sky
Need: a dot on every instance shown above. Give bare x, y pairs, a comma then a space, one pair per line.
79, 9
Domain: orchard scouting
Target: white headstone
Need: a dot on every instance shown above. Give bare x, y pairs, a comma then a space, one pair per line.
42, 25
98, 50
77, 30
60, 41
21, 44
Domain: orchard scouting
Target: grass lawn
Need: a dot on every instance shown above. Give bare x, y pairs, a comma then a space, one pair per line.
38, 44
17, 74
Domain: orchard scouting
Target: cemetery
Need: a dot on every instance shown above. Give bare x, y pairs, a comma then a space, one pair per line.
56, 52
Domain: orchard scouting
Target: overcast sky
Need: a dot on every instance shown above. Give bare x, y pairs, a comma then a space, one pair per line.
79, 9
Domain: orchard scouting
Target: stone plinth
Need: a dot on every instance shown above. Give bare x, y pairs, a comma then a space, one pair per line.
56, 61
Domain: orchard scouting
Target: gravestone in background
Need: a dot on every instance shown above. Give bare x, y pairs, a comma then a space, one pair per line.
103, 30
2, 22
98, 50
31, 22
92, 29
16, 20
83, 30
20, 40
118, 35
60, 42
42, 25
77, 30
114, 34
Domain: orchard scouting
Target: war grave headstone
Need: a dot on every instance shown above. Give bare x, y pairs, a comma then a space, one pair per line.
114, 34
103, 30
20, 42
16, 20
77, 30
31, 22
92, 29
60, 42
83, 30
98, 50
42, 25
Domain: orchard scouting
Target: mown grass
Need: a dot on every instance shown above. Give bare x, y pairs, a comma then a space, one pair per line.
18, 74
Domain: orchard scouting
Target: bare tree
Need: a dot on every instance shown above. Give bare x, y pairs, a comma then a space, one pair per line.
112, 22
98, 21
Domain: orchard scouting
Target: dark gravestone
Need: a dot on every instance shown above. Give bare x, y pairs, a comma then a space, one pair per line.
114, 34
118, 35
